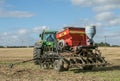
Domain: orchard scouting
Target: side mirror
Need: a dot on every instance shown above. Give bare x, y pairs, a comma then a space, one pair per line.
40, 35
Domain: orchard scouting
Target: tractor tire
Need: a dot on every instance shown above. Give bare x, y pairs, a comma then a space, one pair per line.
58, 65
61, 65
61, 44
37, 52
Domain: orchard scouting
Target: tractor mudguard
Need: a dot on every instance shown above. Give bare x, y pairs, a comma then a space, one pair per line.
38, 45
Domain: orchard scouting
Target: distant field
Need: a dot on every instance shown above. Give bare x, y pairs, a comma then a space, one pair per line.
31, 72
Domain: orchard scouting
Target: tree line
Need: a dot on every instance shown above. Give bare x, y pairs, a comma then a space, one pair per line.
16, 46
102, 44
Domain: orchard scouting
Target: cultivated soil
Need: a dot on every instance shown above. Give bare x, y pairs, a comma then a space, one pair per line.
30, 72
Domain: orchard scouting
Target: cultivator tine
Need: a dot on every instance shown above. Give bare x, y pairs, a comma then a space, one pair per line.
78, 60
90, 60
10, 65
84, 60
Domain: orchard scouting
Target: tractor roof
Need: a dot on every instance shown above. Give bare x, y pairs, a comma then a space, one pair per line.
50, 31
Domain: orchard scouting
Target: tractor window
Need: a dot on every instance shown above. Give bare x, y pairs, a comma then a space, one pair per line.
49, 37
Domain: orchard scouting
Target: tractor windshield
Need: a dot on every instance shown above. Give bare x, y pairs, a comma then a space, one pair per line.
49, 37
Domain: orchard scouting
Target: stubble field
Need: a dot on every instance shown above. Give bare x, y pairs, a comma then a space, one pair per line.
30, 72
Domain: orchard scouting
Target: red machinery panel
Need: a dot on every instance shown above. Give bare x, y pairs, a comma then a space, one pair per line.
73, 36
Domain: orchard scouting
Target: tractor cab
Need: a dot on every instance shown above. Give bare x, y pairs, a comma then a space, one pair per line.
48, 38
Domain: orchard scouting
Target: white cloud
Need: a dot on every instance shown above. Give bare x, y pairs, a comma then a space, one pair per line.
111, 36
14, 37
87, 2
105, 11
98, 5
105, 16
21, 36
94, 2
115, 22
4, 12
98, 24
106, 7
16, 14
108, 19
5, 33
81, 2
22, 31
40, 28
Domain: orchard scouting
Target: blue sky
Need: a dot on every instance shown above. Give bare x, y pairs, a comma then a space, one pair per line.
21, 21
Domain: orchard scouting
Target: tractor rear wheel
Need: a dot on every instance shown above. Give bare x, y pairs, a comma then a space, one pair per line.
37, 52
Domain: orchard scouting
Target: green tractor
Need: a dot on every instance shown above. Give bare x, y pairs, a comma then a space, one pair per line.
46, 53
46, 44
